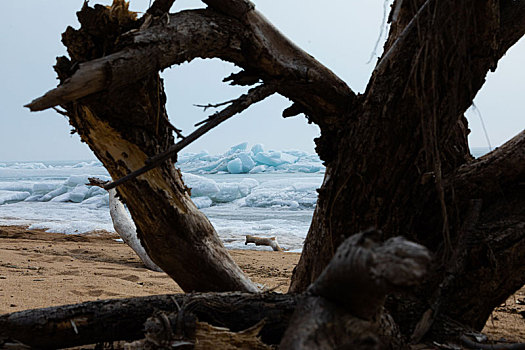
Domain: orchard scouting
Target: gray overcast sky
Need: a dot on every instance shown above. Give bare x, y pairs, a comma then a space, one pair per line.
339, 33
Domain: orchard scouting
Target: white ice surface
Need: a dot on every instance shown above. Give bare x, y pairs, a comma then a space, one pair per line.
262, 199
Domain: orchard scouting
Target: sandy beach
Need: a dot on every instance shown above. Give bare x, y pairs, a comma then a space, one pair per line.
40, 269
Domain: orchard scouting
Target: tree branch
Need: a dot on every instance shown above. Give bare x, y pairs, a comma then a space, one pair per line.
149, 51
253, 96
234, 8
272, 56
512, 23
344, 306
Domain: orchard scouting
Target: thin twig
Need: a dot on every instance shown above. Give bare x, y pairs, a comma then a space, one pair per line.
209, 105
255, 95
59, 111
177, 131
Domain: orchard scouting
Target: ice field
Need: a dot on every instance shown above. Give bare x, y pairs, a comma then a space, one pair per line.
243, 191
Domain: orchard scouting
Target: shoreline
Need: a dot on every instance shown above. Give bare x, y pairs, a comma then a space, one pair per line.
40, 269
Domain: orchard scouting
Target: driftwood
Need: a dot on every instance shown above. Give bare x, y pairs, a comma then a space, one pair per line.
471, 344
123, 319
264, 241
350, 291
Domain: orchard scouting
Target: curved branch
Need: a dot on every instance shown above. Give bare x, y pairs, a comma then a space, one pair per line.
188, 35
207, 34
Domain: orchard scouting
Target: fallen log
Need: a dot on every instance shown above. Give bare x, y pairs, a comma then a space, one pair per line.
123, 319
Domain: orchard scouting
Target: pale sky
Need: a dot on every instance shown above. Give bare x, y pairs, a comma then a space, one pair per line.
339, 33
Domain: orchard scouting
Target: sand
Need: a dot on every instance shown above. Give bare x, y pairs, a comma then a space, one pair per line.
39, 269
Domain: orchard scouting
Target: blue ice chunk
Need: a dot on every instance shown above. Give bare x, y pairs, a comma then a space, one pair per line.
59, 191
42, 188
274, 158
247, 162
98, 201
78, 194
200, 186
228, 193
13, 196
202, 202
246, 186
235, 166
95, 191
257, 148
18, 186
259, 169
75, 180
65, 197
34, 198
237, 148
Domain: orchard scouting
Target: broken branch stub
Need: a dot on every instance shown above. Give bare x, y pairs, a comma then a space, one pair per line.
344, 307
364, 270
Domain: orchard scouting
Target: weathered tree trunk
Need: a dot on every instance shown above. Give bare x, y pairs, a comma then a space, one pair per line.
402, 163
126, 125
397, 157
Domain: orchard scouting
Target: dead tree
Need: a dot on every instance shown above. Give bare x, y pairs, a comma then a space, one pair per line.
397, 156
